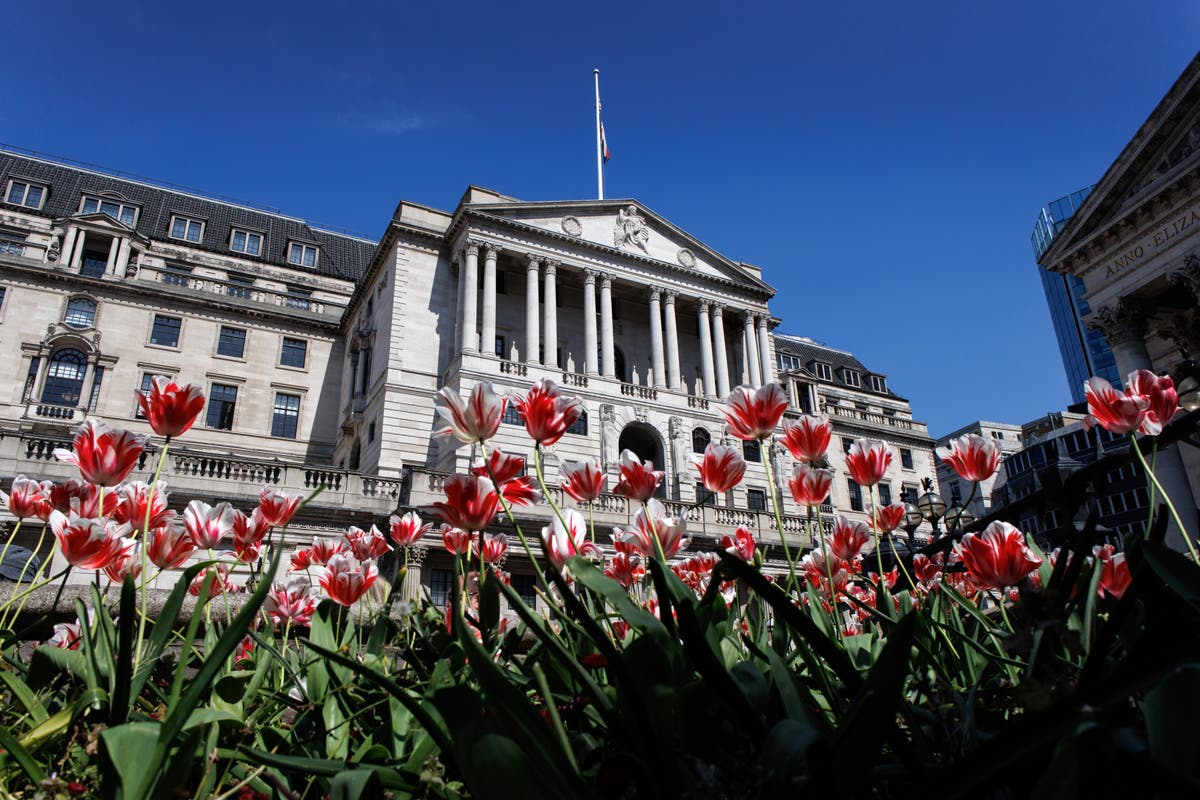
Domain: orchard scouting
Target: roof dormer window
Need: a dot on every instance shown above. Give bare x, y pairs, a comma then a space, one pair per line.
27, 194
852, 378
122, 212
302, 255
879, 384
822, 371
247, 242
186, 228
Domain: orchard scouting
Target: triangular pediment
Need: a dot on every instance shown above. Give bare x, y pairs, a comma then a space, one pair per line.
1166, 146
97, 219
624, 228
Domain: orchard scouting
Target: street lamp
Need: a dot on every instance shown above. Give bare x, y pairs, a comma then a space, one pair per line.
958, 518
1187, 384
932, 506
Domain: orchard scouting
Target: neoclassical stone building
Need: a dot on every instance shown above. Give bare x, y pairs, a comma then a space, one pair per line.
1135, 242
321, 351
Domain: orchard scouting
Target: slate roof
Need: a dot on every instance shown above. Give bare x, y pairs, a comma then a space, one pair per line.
809, 351
341, 255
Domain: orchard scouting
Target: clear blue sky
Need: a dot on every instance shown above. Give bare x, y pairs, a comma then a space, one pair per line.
882, 161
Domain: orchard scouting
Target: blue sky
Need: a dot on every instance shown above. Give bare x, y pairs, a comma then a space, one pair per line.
883, 162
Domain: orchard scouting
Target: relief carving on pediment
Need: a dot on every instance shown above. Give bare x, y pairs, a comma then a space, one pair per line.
630, 229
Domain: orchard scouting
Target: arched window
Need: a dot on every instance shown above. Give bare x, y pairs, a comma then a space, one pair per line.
81, 313
64, 378
700, 440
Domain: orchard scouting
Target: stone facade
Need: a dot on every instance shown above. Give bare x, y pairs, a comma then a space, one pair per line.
954, 489
1135, 242
647, 325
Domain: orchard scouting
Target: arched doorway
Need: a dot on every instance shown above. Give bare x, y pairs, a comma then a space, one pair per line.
646, 442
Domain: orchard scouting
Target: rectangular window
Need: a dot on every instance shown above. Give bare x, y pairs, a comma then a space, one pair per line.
23, 193
12, 243
93, 263
302, 255
908, 494
294, 353
97, 379
238, 286
822, 370
751, 451
222, 400
165, 331
439, 586
756, 499
885, 494
299, 298
906, 459
524, 586
246, 242
511, 415
787, 361
879, 384
499, 347
147, 379
847, 443
190, 230
371, 433
955, 494
856, 500
231, 342
579, 426
704, 497
119, 211
176, 275
286, 418
851, 377
3, 292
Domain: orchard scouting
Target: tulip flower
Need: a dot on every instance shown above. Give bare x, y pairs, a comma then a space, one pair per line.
626, 569
471, 502
1115, 575
208, 525
28, 499
1115, 411
324, 549
888, 518
477, 420
508, 473
810, 485
998, 557
345, 579
721, 468
867, 461
277, 507
807, 438
650, 523
973, 457
752, 415
132, 501
83, 498
546, 413
456, 540
1159, 392
638, 481
741, 544
493, 547
583, 481
850, 538
104, 456
170, 408
291, 604
366, 544
408, 530
926, 570
125, 563
89, 543
567, 536
169, 547
248, 534
216, 580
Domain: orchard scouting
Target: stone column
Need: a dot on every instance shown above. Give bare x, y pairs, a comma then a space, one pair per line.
591, 355
673, 376
68, 245
412, 581
487, 341
110, 266
657, 360
720, 355
764, 346
531, 309
77, 257
606, 327
706, 354
1124, 324
470, 282
550, 307
123, 256
752, 356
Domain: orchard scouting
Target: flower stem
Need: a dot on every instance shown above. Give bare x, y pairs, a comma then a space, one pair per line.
1166, 498
513, 521
787, 553
141, 635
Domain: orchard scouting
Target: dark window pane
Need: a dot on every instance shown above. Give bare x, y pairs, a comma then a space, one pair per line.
751, 451
93, 264
524, 585
439, 586
756, 500
165, 331
222, 400
700, 440
580, 425
287, 415
64, 378
295, 352
231, 342
81, 313
885, 494
856, 499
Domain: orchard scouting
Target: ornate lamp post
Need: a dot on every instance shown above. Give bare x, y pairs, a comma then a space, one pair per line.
931, 505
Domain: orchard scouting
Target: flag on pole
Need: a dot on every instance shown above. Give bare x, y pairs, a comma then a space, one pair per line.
604, 144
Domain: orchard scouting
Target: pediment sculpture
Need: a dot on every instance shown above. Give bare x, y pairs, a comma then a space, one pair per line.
630, 229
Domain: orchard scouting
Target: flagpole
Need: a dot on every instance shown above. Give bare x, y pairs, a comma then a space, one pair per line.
599, 145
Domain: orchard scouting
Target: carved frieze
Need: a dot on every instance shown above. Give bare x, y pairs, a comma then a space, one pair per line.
1121, 322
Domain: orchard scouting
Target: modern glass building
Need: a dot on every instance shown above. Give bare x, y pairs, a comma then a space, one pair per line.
1084, 351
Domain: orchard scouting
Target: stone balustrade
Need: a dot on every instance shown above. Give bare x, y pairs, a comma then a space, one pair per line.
875, 419
192, 283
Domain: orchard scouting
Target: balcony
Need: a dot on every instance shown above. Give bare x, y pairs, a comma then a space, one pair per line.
876, 420
239, 292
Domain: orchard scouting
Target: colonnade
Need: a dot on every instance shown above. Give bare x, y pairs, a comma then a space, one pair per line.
599, 346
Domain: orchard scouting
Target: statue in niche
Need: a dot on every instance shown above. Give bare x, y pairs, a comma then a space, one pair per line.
570, 363
630, 229
634, 378
609, 436
681, 446
777, 465
513, 354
